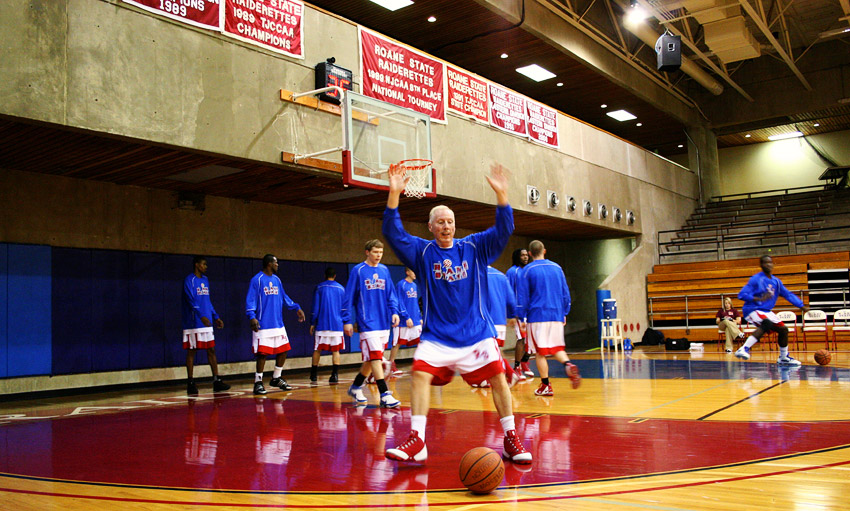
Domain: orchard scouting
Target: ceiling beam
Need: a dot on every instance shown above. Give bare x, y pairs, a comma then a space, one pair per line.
766, 31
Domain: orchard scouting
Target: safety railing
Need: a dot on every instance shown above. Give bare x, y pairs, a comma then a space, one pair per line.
764, 193
688, 312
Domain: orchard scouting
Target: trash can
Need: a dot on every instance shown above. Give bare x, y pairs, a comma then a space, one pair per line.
609, 308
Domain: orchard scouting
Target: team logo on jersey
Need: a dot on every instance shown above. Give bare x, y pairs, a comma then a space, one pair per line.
411, 293
375, 283
271, 289
203, 290
450, 273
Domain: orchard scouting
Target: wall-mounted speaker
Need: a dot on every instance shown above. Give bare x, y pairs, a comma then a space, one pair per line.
603, 211
552, 199
571, 204
587, 207
617, 214
533, 195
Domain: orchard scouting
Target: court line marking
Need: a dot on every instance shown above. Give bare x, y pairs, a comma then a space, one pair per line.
715, 412
643, 412
435, 504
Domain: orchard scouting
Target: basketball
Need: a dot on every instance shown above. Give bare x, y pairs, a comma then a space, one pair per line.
481, 470
822, 357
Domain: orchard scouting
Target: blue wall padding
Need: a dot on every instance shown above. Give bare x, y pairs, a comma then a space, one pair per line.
233, 287
4, 306
147, 313
110, 324
29, 327
175, 268
72, 311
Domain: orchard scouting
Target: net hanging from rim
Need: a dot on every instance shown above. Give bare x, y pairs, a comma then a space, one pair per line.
419, 172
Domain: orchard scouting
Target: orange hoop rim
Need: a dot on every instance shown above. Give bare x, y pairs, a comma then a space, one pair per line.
407, 164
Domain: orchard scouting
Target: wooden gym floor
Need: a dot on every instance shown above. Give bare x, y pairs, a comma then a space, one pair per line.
646, 430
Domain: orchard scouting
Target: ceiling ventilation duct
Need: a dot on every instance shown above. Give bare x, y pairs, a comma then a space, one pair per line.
731, 40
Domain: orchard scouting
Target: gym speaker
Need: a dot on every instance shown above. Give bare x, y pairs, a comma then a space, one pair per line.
668, 48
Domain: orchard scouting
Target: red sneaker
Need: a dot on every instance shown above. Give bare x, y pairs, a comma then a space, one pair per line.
526, 370
520, 377
514, 449
413, 449
544, 390
572, 372
395, 371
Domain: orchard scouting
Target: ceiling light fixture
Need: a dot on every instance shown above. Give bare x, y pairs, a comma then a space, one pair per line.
816, 124
680, 146
432, 19
535, 72
603, 105
783, 136
621, 115
747, 135
639, 124
504, 55
833, 33
393, 5
560, 84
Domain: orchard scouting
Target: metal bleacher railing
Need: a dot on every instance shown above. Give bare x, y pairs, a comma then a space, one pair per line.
688, 321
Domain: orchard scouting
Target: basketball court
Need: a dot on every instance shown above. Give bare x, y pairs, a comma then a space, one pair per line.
646, 430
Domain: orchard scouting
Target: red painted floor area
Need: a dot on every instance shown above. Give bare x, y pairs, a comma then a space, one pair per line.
274, 445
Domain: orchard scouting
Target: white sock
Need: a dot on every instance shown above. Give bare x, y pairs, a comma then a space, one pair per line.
783, 352
258, 377
751, 341
278, 371
507, 423
417, 424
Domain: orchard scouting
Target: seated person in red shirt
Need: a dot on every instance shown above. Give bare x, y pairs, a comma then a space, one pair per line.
729, 321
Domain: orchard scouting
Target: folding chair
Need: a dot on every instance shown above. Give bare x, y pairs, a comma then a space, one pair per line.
814, 321
789, 319
840, 324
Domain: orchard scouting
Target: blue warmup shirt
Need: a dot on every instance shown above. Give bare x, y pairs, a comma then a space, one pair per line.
326, 313
370, 294
513, 273
196, 302
453, 279
408, 299
543, 294
266, 299
758, 285
502, 302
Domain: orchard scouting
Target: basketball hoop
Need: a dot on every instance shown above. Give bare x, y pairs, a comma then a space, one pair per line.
419, 172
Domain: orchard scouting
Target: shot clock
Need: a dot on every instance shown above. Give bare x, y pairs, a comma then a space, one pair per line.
327, 74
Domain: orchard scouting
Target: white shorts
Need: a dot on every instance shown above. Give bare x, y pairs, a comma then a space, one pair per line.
475, 363
198, 338
756, 317
373, 344
520, 333
327, 340
545, 338
501, 331
271, 341
404, 336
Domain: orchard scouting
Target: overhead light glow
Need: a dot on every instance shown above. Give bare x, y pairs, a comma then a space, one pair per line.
535, 72
603, 106
680, 146
560, 84
816, 124
621, 115
635, 15
504, 55
747, 135
432, 19
393, 5
639, 124
793, 134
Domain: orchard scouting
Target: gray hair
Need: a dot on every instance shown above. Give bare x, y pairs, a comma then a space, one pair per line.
434, 211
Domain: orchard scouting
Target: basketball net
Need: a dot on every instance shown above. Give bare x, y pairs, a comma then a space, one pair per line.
419, 172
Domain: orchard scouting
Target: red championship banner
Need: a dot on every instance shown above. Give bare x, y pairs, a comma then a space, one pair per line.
200, 13
274, 24
542, 124
467, 94
507, 111
401, 76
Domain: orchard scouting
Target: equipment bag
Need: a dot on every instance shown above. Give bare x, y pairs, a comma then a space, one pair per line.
678, 344
652, 338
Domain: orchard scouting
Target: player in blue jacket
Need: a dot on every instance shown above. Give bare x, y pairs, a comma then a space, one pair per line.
264, 307
759, 296
519, 258
326, 324
409, 330
458, 333
501, 304
370, 301
199, 316
543, 303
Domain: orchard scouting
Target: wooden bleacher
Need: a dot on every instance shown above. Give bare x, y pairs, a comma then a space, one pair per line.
683, 298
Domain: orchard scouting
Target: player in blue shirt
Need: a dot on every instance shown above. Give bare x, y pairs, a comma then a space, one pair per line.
264, 307
198, 319
410, 329
543, 303
370, 300
519, 259
759, 296
326, 324
458, 333
501, 304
